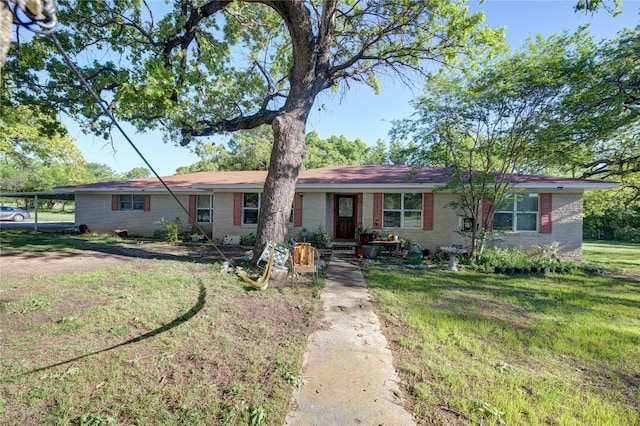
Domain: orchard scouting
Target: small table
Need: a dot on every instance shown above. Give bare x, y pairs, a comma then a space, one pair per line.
388, 246
453, 253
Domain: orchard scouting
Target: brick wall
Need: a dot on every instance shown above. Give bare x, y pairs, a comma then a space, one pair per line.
94, 210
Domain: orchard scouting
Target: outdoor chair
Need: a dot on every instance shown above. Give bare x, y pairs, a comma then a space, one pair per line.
305, 259
280, 255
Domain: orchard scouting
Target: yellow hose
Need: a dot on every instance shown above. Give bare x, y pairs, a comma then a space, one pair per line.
263, 282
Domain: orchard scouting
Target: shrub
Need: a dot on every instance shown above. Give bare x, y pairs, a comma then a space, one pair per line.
320, 239
172, 230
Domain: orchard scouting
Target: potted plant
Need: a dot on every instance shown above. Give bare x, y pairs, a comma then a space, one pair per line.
405, 245
304, 234
363, 234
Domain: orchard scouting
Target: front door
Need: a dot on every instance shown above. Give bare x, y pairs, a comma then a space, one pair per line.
345, 213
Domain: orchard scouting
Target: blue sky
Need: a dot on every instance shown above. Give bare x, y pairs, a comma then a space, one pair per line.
360, 113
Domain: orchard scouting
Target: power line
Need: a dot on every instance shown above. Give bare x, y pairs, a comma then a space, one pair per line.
108, 113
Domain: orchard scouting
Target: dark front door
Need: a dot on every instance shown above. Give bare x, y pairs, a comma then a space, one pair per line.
345, 213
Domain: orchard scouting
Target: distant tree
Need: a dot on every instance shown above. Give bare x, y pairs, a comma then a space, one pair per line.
334, 151
138, 172
250, 150
199, 68
377, 154
610, 215
98, 172
212, 157
401, 152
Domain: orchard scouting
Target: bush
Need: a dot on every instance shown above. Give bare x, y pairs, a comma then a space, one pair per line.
248, 240
320, 239
172, 230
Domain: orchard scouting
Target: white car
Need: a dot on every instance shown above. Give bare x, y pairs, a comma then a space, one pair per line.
12, 213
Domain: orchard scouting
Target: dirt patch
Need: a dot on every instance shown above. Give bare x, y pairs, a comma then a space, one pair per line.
25, 265
89, 257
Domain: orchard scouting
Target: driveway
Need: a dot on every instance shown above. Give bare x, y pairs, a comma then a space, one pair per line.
28, 225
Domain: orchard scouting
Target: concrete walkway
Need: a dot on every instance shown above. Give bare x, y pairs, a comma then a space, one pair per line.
348, 365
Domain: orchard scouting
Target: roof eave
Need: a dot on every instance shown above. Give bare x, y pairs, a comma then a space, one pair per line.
567, 185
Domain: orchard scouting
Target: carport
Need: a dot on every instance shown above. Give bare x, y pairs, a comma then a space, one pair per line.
39, 195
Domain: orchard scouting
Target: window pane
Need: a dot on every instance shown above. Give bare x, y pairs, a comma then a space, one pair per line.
204, 216
506, 204
345, 207
503, 222
251, 199
528, 203
138, 202
412, 202
392, 202
391, 220
527, 221
413, 219
203, 201
251, 216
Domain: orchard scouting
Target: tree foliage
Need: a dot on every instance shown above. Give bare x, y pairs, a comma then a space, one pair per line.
250, 150
558, 105
199, 68
593, 131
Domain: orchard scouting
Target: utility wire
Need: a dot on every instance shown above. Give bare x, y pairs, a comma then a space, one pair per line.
108, 113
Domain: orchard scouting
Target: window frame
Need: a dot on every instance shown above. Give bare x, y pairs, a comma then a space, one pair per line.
244, 209
122, 203
403, 210
513, 202
209, 209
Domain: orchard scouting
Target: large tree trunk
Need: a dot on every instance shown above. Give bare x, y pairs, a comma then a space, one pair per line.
286, 160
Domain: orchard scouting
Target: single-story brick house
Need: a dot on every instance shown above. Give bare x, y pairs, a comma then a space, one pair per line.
388, 198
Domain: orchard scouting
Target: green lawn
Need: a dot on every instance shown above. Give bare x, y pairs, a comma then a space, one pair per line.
477, 348
52, 216
612, 254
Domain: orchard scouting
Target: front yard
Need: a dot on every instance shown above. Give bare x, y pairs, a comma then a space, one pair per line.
93, 338
494, 349
160, 336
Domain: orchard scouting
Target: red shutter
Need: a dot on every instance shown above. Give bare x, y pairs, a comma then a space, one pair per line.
237, 208
114, 203
297, 209
377, 210
546, 207
192, 208
427, 221
486, 206
147, 203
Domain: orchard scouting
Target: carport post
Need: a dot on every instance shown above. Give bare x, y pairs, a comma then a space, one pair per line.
35, 223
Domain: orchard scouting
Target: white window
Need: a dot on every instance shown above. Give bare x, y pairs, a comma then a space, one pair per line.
204, 208
131, 202
518, 212
402, 211
251, 202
